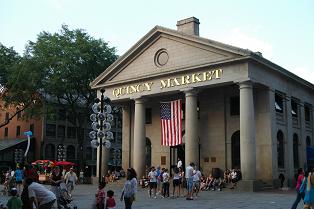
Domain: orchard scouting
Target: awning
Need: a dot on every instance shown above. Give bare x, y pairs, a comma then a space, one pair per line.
7, 143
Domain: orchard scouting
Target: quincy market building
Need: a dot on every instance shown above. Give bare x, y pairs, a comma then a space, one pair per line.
239, 109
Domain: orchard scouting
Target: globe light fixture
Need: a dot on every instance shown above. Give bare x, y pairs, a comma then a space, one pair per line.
101, 124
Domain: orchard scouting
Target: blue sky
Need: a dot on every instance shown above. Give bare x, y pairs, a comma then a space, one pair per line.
282, 30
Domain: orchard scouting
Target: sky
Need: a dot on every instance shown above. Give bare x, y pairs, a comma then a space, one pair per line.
283, 30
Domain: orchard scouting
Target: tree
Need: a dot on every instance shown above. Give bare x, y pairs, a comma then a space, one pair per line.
18, 90
66, 63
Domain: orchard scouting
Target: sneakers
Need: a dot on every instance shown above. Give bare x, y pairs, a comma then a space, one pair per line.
155, 197
188, 198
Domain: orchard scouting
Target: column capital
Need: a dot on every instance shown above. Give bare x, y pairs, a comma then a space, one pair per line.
245, 84
139, 100
190, 92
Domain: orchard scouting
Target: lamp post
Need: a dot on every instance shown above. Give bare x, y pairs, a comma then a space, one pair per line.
101, 125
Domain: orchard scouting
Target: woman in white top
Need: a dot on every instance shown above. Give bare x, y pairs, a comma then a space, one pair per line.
176, 182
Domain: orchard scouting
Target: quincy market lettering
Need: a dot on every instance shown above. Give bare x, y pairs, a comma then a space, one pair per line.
168, 83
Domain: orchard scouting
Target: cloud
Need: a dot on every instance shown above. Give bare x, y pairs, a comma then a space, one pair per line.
57, 5
237, 37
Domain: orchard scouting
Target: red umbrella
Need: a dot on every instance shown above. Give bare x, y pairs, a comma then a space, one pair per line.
65, 163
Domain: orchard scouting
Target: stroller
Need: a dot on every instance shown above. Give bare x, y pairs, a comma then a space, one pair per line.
65, 198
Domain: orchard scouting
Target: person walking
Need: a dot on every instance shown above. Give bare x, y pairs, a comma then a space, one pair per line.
189, 173
56, 179
309, 192
129, 189
152, 176
165, 178
70, 180
14, 202
19, 176
300, 195
39, 195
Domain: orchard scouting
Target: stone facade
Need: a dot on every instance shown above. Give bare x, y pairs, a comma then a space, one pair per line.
230, 98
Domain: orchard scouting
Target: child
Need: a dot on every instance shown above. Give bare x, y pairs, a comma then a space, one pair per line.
14, 202
100, 196
110, 203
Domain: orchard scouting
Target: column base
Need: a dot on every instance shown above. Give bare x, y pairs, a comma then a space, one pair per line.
249, 186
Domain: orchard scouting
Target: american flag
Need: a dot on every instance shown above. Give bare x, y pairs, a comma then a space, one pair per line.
171, 123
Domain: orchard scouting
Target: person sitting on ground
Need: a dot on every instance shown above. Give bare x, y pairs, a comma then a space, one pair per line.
14, 202
234, 178
227, 178
209, 182
203, 183
217, 184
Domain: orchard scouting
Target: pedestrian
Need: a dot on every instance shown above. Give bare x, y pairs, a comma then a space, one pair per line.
56, 179
189, 173
309, 192
152, 176
158, 172
14, 202
110, 202
129, 189
100, 196
300, 195
25, 198
81, 177
196, 180
176, 182
70, 180
19, 176
165, 183
39, 195
179, 164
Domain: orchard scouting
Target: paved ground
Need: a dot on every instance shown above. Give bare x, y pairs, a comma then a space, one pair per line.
84, 196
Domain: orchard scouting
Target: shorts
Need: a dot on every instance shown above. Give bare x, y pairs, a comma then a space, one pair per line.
189, 184
176, 182
197, 185
152, 185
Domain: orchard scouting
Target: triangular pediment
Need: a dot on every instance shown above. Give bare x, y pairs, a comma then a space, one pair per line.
164, 51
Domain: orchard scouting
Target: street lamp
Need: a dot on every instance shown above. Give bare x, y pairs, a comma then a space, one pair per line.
101, 125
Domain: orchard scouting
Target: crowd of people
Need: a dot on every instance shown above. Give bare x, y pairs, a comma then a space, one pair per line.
186, 182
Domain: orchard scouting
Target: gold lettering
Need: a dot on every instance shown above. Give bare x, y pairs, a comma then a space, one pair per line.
185, 80
165, 83
195, 78
149, 86
116, 93
218, 73
207, 76
140, 88
133, 88
175, 82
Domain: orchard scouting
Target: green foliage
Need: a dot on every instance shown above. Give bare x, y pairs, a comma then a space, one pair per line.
8, 58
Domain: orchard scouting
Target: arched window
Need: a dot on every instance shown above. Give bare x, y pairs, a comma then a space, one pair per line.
235, 150
295, 151
89, 154
70, 152
308, 141
280, 150
50, 151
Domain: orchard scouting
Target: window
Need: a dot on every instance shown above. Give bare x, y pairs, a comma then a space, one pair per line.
70, 152
51, 130
295, 151
307, 113
294, 108
61, 131
6, 132
71, 132
308, 141
235, 106
50, 151
148, 116
18, 114
278, 103
32, 128
280, 150
7, 116
62, 115
18, 130
89, 154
